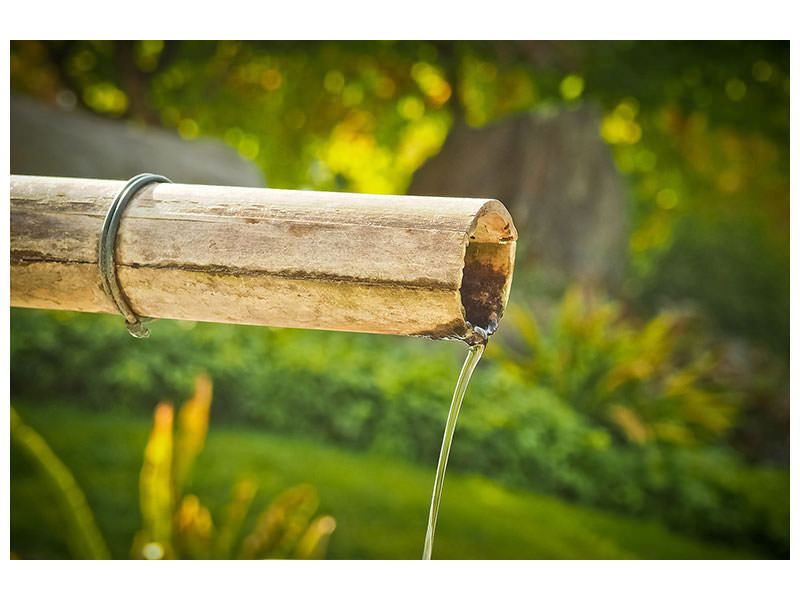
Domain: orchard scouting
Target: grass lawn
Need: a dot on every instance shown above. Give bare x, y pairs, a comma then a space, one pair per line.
380, 504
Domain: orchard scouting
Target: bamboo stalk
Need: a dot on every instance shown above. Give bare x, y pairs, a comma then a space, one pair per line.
435, 267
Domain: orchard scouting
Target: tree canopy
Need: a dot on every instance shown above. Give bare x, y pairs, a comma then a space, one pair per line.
700, 129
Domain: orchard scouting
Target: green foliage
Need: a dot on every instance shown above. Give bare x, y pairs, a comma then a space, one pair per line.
704, 144
380, 502
702, 139
176, 525
390, 395
83, 536
179, 526
635, 407
652, 382
762, 313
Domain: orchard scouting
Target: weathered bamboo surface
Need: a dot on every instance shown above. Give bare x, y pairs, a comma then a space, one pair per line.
404, 265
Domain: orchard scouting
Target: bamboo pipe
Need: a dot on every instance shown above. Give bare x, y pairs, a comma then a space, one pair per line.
424, 266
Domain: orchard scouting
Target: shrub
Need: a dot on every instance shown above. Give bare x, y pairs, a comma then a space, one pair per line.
530, 423
175, 525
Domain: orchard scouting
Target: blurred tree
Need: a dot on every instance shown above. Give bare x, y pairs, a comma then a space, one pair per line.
699, 130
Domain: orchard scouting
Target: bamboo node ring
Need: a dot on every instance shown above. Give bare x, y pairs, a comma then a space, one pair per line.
108, 241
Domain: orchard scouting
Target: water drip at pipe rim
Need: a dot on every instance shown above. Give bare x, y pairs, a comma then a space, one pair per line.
479, 334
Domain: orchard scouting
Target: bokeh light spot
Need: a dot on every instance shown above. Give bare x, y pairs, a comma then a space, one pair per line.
619, 126
386, 88
233, 135
571, 87
83, 61
153, 551
735, 89
106, 98
667, 199
431, 81
729, 181
248, 147
334, 82
352, 95
762, 71
188, 128
411, 108
147, 54
66, 99
326, 525
271, 80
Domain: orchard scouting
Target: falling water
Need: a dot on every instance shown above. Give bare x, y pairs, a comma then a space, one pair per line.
473, 356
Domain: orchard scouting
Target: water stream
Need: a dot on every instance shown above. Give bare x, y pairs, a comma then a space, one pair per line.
473, 356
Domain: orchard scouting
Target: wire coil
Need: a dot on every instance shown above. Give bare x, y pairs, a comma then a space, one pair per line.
106, 252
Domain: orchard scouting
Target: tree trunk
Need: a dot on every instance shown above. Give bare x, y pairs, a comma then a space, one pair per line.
558, 179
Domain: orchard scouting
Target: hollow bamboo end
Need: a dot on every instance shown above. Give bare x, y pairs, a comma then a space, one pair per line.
488, 270
434, 267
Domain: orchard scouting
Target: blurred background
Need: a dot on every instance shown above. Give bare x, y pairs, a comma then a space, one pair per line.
633, 404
